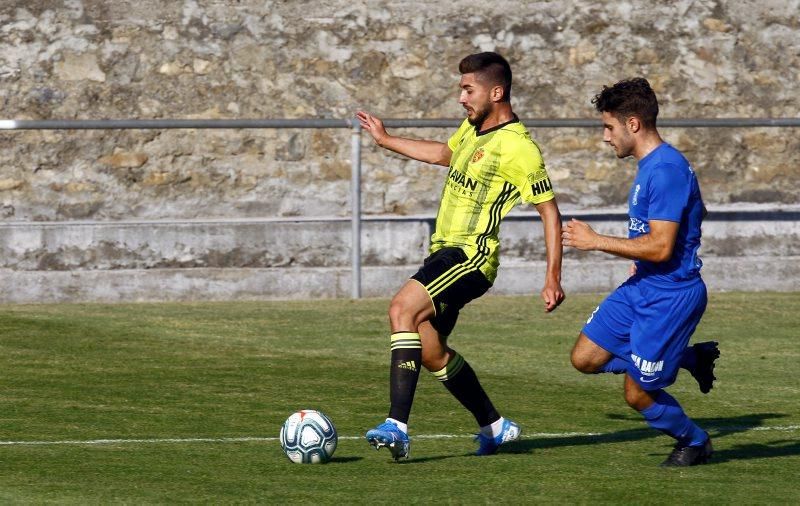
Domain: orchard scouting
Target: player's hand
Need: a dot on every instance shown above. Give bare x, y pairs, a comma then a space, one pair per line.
632, 270
578, 234
552, 295
373, 125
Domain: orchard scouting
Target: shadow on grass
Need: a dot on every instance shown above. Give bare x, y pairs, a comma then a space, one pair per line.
344, 460
722, 425
434, 458
718, 427
779, 448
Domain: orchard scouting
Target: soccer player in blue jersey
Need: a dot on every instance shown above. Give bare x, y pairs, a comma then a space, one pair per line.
642, 329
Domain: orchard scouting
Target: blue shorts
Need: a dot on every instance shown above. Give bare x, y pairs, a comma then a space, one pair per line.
649, 327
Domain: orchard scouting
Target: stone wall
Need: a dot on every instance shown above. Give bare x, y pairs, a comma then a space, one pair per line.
95, 59
197, 214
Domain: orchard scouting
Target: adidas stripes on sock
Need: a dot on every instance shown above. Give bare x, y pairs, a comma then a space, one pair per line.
404, 373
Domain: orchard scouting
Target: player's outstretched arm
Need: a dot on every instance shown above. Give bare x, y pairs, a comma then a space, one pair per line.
552, 293
655, 246
437, 153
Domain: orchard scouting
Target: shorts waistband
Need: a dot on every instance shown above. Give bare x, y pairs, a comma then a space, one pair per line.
671, 285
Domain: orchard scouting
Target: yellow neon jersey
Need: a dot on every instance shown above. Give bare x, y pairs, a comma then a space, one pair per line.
489, 174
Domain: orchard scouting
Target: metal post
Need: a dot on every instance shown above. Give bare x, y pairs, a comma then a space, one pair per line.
355, 210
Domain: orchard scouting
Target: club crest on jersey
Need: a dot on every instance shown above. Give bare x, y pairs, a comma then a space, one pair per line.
637, 225
477, 155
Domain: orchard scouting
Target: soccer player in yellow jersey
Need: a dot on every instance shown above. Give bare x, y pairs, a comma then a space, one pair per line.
493, 164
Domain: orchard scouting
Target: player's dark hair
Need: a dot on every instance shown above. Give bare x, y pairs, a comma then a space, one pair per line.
629, 97
491, 68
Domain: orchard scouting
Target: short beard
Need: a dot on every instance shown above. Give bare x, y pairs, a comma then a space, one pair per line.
625, 153
480, 117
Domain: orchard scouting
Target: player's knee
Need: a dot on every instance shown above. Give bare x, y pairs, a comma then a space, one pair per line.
403, 315
582, 363
395, 309
435, 360
400, 315
637, 398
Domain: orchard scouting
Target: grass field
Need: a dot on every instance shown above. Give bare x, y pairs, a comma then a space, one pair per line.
178, 390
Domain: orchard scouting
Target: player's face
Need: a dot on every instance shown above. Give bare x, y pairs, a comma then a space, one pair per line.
475, 99
617, 135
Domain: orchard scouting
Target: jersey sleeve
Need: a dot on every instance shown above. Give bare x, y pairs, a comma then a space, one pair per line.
668, 193
525, 170
456, 138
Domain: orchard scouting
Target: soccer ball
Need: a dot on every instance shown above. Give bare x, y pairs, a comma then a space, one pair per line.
308, 437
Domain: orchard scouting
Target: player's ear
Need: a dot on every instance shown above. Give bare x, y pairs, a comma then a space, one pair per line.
496, 95
633, 124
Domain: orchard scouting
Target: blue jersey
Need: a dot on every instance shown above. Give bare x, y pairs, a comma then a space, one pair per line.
666, 189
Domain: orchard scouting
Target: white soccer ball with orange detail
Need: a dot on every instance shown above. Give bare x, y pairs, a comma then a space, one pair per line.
308, 437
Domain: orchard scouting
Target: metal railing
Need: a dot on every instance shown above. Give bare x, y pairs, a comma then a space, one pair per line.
355, 155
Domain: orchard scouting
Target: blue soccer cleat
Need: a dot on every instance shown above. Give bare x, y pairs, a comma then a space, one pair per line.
388, 434
488, 445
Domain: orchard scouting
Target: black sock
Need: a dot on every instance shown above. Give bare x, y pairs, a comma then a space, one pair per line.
404, 373
459, 378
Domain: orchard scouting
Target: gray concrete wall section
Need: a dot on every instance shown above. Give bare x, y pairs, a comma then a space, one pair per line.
270, 243
237, 260
207, 284
243, 244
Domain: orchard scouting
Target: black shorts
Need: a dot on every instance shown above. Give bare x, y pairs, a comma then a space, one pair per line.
451, 281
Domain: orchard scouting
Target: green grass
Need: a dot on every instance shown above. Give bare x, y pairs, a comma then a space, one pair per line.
228, 370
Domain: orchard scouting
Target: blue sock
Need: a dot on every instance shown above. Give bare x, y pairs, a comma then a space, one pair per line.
666, 415
615, 366
689, 359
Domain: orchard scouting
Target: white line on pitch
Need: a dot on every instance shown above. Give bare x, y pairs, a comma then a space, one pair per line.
785, 428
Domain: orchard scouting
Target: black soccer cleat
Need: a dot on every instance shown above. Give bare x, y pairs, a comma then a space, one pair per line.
706, 353
685, 456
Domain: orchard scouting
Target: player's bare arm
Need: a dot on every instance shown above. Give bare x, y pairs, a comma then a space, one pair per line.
437, 153
655, 246
552, 293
